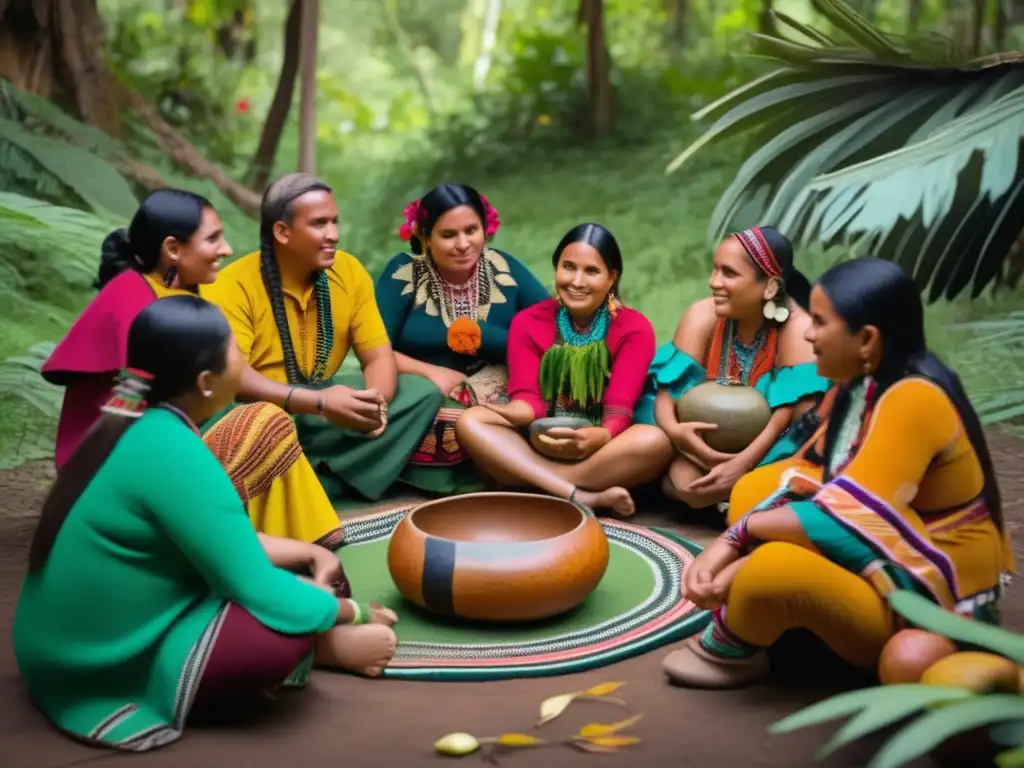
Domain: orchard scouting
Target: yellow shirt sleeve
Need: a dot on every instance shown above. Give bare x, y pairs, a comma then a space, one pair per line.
229, 293
368, 330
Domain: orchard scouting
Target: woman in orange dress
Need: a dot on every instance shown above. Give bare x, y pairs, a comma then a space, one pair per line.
895, 491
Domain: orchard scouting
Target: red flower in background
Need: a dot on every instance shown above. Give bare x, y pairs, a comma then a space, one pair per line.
242, 106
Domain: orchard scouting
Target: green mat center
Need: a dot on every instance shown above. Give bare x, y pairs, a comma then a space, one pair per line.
628, 581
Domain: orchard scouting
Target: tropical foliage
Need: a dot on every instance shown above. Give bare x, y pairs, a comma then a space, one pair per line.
902, 147
898, 144
944, 712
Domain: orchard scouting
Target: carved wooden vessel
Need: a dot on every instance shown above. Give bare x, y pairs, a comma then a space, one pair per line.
498, 556
741, 414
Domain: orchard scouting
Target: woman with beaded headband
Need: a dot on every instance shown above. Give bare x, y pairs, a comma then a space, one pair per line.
895, 490
149, 598
448, 306
174, 245
581, 354
748, 332
297, 306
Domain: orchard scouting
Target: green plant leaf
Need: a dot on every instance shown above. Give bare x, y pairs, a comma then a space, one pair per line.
841, 705
1011, 758
923, 613
93, 179
899, 702
935, 727
757, 107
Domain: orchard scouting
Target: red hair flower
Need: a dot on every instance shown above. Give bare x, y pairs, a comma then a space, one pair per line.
412, 215
491, 218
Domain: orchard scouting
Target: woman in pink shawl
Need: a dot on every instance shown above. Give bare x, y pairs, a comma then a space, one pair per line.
175, 244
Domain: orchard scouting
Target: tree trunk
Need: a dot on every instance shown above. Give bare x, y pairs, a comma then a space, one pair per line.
678, 12
978, 8
307, 85
54, 49
284, 94
599, 84
914, 15
766, 22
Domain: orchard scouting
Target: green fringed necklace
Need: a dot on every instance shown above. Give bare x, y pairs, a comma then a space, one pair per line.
577, 363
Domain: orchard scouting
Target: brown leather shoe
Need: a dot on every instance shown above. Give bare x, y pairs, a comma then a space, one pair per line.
692, 667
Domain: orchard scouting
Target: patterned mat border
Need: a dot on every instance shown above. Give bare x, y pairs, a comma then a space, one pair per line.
661, 619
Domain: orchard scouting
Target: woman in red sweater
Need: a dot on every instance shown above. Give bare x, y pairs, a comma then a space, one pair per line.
581, 354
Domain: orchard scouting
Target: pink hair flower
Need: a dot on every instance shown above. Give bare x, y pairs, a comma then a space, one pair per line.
491, 218
412, 215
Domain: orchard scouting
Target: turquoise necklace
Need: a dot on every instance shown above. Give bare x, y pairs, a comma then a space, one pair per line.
596, 331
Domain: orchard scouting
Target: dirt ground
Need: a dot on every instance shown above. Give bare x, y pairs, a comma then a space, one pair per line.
344, 721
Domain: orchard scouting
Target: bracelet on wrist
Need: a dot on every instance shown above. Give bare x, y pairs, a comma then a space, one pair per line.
738, 537
361, 612
288, 399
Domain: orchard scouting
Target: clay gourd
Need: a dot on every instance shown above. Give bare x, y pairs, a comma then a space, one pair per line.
539, 429
740, 412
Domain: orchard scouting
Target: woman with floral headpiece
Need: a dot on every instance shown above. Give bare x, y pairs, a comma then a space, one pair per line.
447, 307
749, 332
582, 354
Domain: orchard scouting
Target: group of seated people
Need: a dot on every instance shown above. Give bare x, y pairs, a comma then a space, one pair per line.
185, 555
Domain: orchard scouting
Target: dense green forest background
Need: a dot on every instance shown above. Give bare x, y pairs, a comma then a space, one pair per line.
559, 111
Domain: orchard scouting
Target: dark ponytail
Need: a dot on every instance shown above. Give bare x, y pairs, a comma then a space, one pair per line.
163, 213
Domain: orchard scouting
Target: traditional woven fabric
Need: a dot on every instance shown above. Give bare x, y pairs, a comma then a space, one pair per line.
255, 444
638, 606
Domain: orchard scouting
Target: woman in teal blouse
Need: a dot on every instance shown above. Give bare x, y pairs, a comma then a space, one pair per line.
448, 306
146, 595
749, 332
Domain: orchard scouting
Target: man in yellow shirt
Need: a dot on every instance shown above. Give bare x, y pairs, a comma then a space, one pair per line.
296, 307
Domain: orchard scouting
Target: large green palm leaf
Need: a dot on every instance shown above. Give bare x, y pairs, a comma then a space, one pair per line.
903, 145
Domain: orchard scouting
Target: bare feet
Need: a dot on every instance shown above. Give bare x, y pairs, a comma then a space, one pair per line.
616, 499
364, 649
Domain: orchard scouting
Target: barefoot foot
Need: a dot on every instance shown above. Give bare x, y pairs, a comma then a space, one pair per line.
365, 649
616, 499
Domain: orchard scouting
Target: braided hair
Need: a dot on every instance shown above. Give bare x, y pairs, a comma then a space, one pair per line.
278, 205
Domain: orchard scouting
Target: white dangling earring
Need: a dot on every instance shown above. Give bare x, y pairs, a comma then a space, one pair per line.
769, 310
781, 314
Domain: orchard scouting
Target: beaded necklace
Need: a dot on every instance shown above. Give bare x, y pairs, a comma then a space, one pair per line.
324, 323
734, 367
852, 428
455, 301
577, 364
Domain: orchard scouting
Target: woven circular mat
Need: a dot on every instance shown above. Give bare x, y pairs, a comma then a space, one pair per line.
638, 606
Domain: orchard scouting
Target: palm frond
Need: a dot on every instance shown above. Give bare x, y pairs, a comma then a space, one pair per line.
832, 106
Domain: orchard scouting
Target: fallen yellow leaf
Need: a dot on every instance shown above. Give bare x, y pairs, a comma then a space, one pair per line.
595, 730
603, 689
518, 740
553, 707
457, 744
588, 746
615, 741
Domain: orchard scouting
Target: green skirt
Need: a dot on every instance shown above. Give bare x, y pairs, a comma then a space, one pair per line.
350, 464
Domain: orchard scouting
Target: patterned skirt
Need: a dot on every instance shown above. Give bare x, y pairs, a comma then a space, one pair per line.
439, 447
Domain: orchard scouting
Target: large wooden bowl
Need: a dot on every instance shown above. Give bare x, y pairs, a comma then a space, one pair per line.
498, 556
540, 428
741, 414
